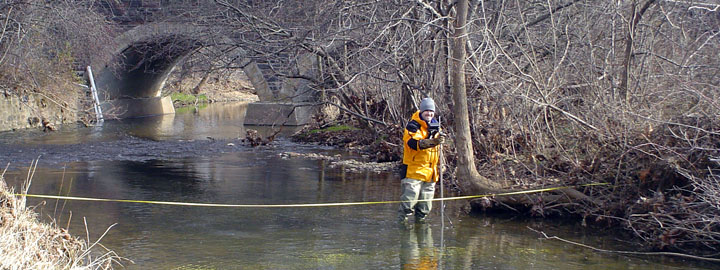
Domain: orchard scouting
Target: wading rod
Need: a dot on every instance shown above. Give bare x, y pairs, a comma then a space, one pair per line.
442, 197
442, 191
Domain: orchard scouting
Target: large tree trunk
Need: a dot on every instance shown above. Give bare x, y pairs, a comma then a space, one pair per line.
468, 178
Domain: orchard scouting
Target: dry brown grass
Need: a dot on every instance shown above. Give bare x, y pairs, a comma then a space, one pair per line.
27, 243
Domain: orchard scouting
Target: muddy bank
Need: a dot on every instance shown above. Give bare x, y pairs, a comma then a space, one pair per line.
350, 165
383, 146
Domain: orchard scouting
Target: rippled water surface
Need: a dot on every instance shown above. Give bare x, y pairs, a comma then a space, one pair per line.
165, 159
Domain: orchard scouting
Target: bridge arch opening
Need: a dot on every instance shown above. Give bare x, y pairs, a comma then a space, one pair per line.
145, 57
202, 72
148, 54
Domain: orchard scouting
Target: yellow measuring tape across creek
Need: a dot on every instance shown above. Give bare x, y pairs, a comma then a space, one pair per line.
295, 205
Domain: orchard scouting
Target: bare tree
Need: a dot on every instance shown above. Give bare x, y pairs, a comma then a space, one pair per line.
43, 44
540, 93
471, 181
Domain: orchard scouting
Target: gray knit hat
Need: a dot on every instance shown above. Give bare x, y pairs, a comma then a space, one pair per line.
427, 104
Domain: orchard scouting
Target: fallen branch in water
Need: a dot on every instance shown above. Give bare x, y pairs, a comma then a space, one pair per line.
627, 252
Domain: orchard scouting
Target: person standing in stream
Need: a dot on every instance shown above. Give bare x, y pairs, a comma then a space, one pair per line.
419, 170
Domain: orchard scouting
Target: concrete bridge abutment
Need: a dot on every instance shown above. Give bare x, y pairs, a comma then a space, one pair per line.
279, 114
292, 100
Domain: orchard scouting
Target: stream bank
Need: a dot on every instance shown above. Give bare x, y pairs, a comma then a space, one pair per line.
35, 110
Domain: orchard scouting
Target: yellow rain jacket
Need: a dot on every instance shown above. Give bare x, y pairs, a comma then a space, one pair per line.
419, 164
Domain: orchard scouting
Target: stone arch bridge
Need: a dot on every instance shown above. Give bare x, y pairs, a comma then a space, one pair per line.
131, 83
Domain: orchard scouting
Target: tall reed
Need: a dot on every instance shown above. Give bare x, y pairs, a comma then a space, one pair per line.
27, 243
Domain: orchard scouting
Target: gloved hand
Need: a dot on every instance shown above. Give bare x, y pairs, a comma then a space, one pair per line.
441, 138
427, 143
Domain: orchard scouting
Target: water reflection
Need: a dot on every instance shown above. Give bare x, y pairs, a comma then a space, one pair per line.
417, 249
215, 121
354, 237
192, 123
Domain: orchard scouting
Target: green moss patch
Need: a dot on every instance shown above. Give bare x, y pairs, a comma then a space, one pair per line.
183, 98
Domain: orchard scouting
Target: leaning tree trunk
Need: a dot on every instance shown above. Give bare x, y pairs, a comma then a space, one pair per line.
469, 180
635, 17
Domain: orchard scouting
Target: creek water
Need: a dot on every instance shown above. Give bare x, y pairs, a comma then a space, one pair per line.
194, 156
